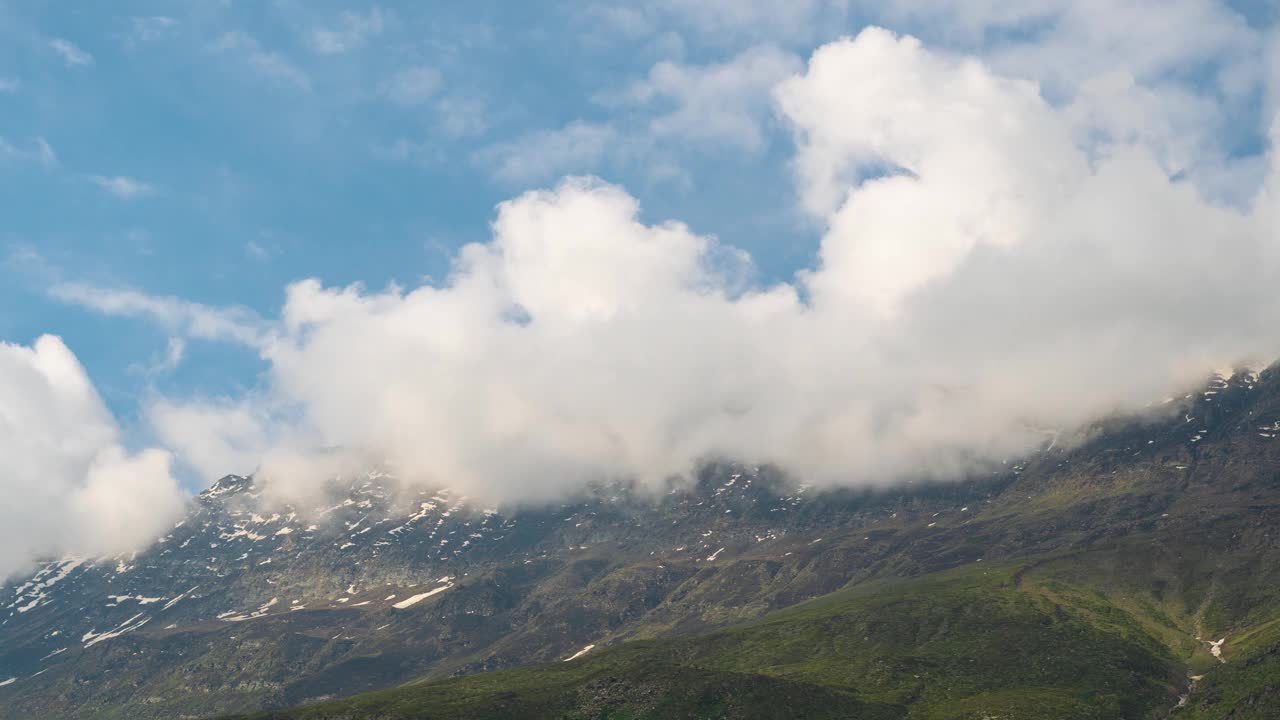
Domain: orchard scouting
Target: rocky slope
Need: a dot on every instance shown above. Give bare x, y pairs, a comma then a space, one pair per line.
1155, 536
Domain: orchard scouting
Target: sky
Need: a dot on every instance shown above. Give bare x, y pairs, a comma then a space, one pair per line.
516, 246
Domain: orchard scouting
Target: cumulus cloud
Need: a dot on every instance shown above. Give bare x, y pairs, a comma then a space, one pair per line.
69, 486
988, 272
1195, 68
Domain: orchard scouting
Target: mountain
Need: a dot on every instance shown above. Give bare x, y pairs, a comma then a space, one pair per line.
1095, 579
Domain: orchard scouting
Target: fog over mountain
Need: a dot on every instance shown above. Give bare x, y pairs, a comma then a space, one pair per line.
1000, 264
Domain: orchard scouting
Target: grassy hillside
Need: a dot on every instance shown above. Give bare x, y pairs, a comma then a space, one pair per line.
1007, 642
1247, 686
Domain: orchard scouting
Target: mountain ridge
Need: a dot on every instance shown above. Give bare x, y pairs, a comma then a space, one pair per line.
208, 620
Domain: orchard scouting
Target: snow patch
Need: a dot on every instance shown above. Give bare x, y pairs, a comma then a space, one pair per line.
91, 638
1215, 649
580, 653
414, 600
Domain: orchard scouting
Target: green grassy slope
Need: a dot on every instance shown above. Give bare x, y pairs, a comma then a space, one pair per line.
982, 642
1246, 686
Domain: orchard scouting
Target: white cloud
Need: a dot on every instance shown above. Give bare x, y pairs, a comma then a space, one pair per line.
1197, 63
44, 153
269, 64
9, 85
353, 30
149, 29
462, 115
1070, 40
71, 55
39, 152
956, 182
215, 437
195, 320
882, 102
122, 187
69, 487
986, 273
627, 19
720, 103
412, 85
256, 251
676, 109
728, 20
577, 147
175, 351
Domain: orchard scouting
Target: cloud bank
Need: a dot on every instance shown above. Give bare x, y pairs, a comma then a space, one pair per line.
988, 272
68, 486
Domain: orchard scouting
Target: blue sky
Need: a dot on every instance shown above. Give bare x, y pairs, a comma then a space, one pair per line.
209, 154
267, 144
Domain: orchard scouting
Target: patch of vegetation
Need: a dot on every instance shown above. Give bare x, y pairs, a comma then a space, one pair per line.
1247, 686
964, 644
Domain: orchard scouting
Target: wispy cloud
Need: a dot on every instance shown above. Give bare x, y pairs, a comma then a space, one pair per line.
463, 115
724, 103
44, 153
575, 148
72, 55
39, 152
267, 63
725, 22
256, 251
352, 31
182, 317
123, 187
411, 86
148, 29
175, 350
